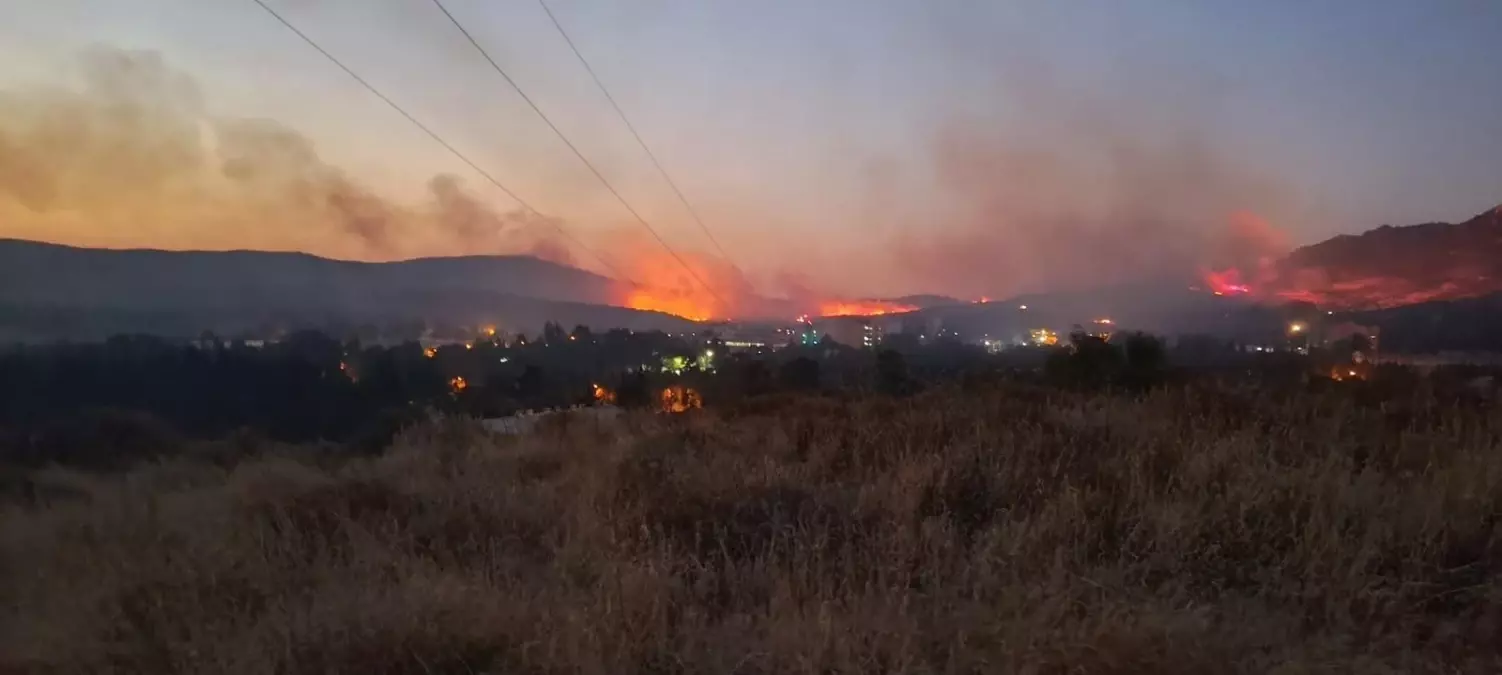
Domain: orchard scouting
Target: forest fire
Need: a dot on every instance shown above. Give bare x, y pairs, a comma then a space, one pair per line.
1334, 289
687, 305
1226, 282
692, 286
1381, 268
862, 308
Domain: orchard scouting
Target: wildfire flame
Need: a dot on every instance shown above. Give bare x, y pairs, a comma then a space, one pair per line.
862, 308
657, 300
689, 285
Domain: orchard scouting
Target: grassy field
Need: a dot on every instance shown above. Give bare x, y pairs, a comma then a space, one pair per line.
1001, 529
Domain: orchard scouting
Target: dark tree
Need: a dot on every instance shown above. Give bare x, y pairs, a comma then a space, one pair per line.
801, 374
891, 373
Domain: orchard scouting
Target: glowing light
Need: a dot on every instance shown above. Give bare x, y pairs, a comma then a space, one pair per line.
674, 364
863, 308
602, 395
458, 384
430, 352
1044, 337
680, 399
686, 306
1022, 307
1296, 327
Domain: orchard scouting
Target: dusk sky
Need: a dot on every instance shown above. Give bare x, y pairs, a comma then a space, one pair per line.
860, 146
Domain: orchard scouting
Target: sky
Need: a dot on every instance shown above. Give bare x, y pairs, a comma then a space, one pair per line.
858, 147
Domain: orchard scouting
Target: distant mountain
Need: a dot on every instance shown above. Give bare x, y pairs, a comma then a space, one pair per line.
924, 301
49, 291
1166, 306
1394, 266
1467, 324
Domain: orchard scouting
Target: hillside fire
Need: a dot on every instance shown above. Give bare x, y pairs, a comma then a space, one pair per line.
1381, 268
862, 308
687, 305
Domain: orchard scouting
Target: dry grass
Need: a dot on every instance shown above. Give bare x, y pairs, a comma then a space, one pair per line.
1189, 531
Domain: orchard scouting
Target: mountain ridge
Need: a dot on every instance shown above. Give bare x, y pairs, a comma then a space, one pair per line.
44, 284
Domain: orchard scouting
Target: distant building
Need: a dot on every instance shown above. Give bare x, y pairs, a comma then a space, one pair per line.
851, 331
741, 336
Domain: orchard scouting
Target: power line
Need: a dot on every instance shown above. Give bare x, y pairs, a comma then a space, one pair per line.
448, 146
604, 181
650, 155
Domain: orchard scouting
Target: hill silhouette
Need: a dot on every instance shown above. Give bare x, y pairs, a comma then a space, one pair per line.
49, 291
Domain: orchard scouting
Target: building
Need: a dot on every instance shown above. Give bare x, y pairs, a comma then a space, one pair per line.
851, 331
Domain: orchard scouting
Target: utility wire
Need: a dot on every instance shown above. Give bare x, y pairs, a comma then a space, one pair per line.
434, 135
604, 181
650, 155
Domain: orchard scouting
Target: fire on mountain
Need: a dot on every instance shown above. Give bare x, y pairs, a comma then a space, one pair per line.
862, 308
710, 288
1385, 267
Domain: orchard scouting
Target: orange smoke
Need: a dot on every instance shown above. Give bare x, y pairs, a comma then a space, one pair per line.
862, 308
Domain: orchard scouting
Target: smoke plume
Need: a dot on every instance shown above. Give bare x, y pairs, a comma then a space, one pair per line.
132, 158
1070, 192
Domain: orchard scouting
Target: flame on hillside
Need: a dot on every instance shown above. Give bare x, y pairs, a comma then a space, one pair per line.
1256, 263
688, 306
689, 285
862, 308
703, 288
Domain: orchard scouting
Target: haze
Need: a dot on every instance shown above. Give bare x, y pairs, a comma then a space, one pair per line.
853, 146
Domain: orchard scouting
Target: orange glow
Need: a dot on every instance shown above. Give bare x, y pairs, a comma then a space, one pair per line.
678, 399
458, 384
686, 306
1226, 282
603, 395
430, 352
1256, 265
689, 285
862, 308
1344, 373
